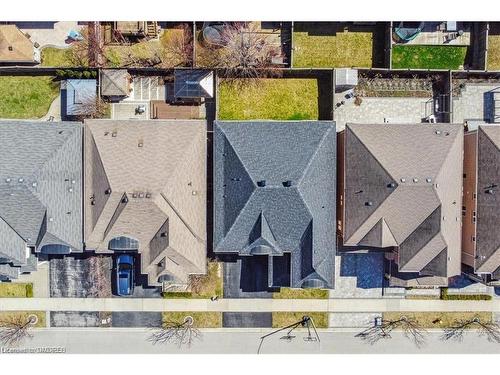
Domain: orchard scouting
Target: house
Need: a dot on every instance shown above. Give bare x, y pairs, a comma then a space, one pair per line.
115, 83
41, 190
193, 83
274, 198
481, 204
15, 47
401, 192
79, 97
145, 192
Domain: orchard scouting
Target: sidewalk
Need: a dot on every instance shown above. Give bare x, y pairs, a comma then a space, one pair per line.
243, 305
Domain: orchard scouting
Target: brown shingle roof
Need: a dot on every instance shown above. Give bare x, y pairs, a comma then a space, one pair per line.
403, 187
144, 176
115, 82
14, 45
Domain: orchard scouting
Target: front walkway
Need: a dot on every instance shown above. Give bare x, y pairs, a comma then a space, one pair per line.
243, 305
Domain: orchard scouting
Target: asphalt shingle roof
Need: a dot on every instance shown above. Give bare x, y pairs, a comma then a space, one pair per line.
275, 193
403, 189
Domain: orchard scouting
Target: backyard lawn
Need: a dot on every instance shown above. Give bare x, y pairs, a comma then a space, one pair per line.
23, 97
493, 52
57, 57
200, 319
10, 290
325, 46
269, 99
283, 319
428, 57
123, 55
441, 319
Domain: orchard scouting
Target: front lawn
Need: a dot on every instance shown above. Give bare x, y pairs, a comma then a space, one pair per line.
282, 319
200, 319
24, 97
428, 57
269, 99
202, 286
10, 290
7, 315
438, 319
290, 293
326, 45
57, 57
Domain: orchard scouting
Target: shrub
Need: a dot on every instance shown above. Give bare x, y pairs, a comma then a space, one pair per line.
29, 290
463, 297
86, 74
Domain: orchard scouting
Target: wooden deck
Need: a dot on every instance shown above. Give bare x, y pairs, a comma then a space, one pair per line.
163, 110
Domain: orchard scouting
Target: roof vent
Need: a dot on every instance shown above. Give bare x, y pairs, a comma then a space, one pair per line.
148, 195
134, 195
106, 133
194, 192
70, 190
51, 219
446, 133
125, 199
34, 184
403, 180
141, 195
369, 203
438, 132
391, 185
107, 191
428, 179
11, 48
60, 132
140, 144
114, 134
415, 179
20, 180
236, 179
489, 191
261, 183
7, 180
73, 181
436, 185
287, 183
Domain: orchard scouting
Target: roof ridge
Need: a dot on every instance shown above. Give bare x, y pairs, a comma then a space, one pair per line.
457, 138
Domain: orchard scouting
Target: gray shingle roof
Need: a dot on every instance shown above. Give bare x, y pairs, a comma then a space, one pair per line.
275, 193
40, 186
488, 199
403, 189
80, 95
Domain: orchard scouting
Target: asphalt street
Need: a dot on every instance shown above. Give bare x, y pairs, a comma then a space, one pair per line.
125, 341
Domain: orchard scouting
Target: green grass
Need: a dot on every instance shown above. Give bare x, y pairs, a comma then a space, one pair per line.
200, 319
10, 290
269, 99
289, 293
283, 319
24, 97
493, 62
209, 285
339, 49
428, 57
7, 315
438, 319
57, 57
464, 297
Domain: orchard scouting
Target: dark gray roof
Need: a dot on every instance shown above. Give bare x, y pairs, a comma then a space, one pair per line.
40, 186
193, 83
488, 199
275, 193
403, 189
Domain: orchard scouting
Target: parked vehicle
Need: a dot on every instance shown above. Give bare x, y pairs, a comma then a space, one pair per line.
125, 275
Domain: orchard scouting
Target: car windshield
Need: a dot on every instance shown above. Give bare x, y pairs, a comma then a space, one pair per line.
125, 266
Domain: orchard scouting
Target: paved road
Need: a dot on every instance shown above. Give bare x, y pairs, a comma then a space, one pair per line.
243, 305
115, 340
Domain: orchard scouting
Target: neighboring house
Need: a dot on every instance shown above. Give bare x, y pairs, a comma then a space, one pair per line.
41, 192
274, 197
401, 192
145, 191
79, 97
481, 207
193, 84
115, 83
15, 47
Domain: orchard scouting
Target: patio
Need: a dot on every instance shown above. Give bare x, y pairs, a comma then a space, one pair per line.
474, 101
441, 33
54, 34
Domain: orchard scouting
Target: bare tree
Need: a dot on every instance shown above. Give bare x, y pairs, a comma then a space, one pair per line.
16, 328
176, 332
91, 108
410, 327
244, 52
178, 47
489, 329
89, 51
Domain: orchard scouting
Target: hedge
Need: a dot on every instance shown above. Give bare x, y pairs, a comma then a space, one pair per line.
464, 297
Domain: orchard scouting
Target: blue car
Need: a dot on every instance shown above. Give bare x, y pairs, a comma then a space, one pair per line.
125, 275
